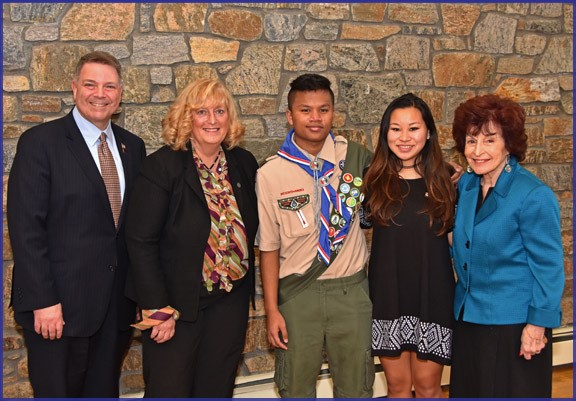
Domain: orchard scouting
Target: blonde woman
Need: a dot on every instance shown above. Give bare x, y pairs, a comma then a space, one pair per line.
190, 231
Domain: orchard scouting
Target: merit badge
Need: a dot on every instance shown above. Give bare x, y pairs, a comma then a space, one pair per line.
342, 222
351, 202
331, 231
357, 181
347, 177
342, 196
344, 188
361, 198
334, 219
341, 164
355, 192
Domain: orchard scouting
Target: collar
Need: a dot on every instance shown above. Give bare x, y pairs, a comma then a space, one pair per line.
90, 132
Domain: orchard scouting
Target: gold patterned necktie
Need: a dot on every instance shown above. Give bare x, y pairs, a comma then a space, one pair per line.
110, 177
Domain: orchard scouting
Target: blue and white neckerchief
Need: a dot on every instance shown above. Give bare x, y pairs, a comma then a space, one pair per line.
290, 152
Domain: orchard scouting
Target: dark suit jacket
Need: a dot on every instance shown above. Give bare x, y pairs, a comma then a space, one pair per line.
168, 224
66, 248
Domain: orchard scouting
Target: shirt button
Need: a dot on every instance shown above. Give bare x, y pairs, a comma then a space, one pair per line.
467, 245
465, 267
111, 268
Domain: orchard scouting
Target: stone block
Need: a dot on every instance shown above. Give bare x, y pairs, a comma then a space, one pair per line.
556, 176
133, 360
435, 100
206, 50
258, 71
256, 337
515, 65
236, 24
459, 19
180, 17
52, 66
276, 126
161, 75
407, 53
328, 11
558, 56
42, 32
567, 99
525, 90
18, 390
163, 95
146, 122
568, 18
6, 245
355, 135
131, 383
13, 130
449, 43
495, 34
13, 342
368, 12
136, 85
9, 108
36, 12
413, 13
368, 97
559, 150
463, 69
254, 128
92, 21
513, 8
261, 363
353, 57
283, 27
44, 104
185, 74
118, 50
309, 57
162, 49
23, 367
558, 126
417, 78
15, 83
546, 26
4, 192
13, 53
367, 32
546, 9
321, 31
257, 105
530, 44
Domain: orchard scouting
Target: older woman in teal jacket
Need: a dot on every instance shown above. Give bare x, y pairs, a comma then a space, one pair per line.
508, 257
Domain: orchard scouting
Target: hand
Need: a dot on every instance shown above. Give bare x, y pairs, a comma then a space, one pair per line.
457, 173
277, 333
163, 331
48, 322
532, 341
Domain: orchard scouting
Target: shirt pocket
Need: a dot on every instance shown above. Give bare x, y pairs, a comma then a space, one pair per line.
296, 216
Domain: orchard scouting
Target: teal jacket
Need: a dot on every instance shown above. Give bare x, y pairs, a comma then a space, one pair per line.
508, 257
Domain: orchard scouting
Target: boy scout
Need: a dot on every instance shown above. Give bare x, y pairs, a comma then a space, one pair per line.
313, 252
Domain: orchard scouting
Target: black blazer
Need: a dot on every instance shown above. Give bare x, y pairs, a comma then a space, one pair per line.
168, 225
65, 246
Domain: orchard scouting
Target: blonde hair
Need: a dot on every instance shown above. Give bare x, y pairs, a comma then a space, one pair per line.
177, 125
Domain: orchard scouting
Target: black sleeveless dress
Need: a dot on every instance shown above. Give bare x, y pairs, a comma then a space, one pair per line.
411, 284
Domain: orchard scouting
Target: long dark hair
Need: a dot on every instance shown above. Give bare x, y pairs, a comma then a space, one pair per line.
383, 182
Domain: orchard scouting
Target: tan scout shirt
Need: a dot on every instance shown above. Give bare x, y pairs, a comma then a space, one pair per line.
296, 236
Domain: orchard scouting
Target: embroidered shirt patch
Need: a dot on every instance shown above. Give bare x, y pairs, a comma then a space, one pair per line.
294, 202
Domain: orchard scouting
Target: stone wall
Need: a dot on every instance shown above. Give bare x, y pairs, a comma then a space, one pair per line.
372, 52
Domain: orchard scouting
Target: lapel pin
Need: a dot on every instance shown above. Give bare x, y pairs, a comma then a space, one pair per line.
123, 148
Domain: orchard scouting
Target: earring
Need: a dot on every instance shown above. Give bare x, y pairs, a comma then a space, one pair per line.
469, 170
507, 167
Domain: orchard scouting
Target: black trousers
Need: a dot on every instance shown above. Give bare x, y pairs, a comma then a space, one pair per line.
202, 358
77, 366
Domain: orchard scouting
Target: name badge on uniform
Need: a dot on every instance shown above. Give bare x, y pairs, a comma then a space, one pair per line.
295, 203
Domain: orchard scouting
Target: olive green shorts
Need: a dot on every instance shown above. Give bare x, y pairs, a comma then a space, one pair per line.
335, 315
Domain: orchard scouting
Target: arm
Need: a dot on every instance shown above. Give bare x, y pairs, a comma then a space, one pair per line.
276, 326
28, 203
540, 230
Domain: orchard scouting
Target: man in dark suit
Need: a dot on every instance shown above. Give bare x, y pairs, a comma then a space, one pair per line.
67, 236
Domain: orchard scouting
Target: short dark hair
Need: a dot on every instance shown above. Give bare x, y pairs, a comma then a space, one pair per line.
475, 113
98, 57
309, 83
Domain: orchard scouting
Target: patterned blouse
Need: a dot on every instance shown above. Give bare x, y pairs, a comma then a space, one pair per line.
226, 253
